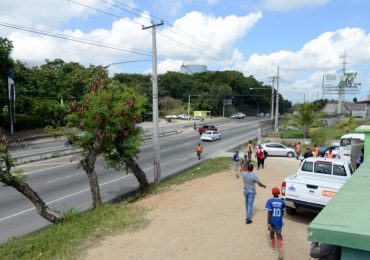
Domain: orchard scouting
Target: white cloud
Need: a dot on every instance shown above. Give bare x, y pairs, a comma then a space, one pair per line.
286, 5
318, 56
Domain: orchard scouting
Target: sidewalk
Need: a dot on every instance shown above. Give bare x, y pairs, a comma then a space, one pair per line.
204, 219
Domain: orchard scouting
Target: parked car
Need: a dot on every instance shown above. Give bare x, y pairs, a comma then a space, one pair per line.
204, 128
260, 115
238, 116
315, 183
276, 149
185, 117
198, 118
210, 136
324, 149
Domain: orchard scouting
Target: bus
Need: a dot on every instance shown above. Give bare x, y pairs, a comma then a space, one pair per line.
349, 143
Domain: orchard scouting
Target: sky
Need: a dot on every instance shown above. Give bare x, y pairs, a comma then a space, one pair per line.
304, 38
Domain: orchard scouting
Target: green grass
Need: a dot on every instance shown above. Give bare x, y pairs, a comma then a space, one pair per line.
79, 231
292, 133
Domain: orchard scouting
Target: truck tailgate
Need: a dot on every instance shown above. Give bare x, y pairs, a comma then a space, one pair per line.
312, 189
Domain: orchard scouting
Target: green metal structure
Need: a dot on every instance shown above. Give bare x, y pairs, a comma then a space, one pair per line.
345, 221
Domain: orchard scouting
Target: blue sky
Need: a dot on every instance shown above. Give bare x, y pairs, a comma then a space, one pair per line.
304, 37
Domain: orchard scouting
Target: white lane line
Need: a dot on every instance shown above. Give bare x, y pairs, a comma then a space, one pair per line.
65, 177
62, 198
41, 170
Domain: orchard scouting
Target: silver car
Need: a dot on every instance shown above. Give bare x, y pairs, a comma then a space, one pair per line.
210, 136
276, 149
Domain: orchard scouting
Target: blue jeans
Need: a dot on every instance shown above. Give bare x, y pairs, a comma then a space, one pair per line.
249, 200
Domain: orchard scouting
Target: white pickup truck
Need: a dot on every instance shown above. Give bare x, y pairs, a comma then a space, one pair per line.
316, 182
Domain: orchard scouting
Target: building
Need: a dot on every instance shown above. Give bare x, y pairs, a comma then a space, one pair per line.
358, 109
191, 69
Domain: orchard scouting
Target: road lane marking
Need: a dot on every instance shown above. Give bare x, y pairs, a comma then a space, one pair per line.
43, 164
62, 198
41, 170
32, 150
66, 177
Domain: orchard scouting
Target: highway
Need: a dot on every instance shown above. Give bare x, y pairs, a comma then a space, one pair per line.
63, 186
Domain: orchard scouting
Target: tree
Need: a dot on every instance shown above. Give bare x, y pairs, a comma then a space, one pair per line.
170, 105
304, 117
347, 124
15, 180
6, 63
108, 115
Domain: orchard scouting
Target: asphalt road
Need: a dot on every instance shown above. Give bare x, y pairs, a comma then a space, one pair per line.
63, 186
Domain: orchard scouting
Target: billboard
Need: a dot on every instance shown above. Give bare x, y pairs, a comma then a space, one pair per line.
345, 83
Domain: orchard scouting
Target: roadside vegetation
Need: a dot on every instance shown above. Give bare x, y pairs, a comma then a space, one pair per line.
78, 231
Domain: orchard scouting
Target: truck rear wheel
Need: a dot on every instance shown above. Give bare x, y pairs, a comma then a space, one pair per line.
291, 211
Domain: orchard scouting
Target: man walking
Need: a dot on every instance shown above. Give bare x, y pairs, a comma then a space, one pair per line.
260, 155
199, 150
298, 149
250, 179
236, 162
250, 150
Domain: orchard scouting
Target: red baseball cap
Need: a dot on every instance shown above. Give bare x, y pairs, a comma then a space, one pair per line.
275, 191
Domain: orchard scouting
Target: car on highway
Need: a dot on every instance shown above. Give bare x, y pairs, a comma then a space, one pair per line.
185, 117
326, 148
210, 136
238, 116
276, 149
204, 128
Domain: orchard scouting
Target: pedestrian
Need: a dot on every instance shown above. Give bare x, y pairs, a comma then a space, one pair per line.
195, 126
307, 153
250, 150
236, 162
329, 154
260, 155
315, 151
250, 179
245, 161
298, 149
199, 150
324, 251
275, 211
360, 158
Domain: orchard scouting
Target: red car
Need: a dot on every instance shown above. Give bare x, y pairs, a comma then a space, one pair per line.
204, 128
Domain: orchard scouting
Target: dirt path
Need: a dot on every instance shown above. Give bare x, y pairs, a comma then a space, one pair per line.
204, 219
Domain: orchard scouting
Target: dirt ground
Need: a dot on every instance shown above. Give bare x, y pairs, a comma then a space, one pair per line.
205, 219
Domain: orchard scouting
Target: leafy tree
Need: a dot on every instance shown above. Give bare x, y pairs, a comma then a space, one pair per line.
6, 63
16, 180
108, 115
51, 111
170, 105
304, 117
347, 124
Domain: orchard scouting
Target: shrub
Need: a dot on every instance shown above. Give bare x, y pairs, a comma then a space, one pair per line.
318, 136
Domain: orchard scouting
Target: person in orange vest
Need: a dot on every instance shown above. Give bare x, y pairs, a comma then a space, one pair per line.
315, 151
250, 150
298, 149
199, 150
329, 154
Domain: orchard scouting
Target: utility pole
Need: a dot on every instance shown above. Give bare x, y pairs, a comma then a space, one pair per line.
189, 106
304, 98
11, 100
223, 109
277, 102
157, 155
272, 98
341, 90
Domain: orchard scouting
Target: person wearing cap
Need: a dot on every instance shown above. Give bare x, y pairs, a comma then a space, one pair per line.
250, 179
275, 211
236, 162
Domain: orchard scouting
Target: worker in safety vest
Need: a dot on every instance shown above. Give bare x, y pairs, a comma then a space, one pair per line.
330, 154
199, 150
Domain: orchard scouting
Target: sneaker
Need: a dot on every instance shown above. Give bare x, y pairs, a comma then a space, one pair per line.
281, 254
237, 176
248, 222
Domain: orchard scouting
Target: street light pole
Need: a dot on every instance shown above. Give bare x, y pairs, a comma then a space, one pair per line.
157, 156
223, 109
272, 98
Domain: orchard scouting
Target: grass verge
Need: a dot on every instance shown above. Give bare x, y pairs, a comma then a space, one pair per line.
82, 230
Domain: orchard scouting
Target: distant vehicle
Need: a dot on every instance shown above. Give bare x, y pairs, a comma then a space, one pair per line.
172, 116
267, 114
185, 117
326, 148
210, 136
346, 141
315, 183
238, 116
276, 149
204, 128
260, 115
71, 140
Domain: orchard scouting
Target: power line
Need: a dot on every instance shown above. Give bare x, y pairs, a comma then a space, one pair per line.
70, 38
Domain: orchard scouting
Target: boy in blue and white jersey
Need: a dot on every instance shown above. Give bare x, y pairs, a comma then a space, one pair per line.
275, 207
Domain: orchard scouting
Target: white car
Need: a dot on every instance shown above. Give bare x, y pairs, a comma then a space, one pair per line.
210, 136
185, 117
315, 183
276, 149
